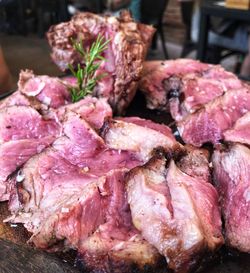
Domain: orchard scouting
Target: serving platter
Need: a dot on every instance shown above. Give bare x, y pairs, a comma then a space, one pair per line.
16, 256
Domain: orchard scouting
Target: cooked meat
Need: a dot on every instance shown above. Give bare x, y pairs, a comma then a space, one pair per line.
209, 123
195, 163
94, 111
240, 132
232, 179
23, 133
142, 139
19, 99
52, 92
116, 245
14, 154
175, 212
161, 128
156, 73
183, 86
124, 56
24, 122
61, 198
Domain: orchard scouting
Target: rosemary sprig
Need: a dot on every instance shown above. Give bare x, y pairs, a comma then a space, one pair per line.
92, 58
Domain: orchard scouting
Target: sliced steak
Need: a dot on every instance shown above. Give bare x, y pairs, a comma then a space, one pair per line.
183, 86
232, 179
124, 55
23, 133
240, 132
16, 153
195, 162
209, 123
116, 246
140, 139
65, 202
175, 212
24, 122
19, 99
94, 111
50, 91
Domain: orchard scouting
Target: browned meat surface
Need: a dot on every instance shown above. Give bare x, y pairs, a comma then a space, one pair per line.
72, 195
182, 86
232, 179
209, 123
195, 162
142, 139
175, 212
124, 56
240, 132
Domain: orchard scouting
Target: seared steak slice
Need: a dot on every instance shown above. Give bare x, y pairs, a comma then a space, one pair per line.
23, 133
19, 99
183, 86
232, 179
141, 139
50, 91
175, 212
24, 122
94, 111
195, 162
61, 199
124, 56
14, 154
116, 246
209, 123
240, 132
161, 79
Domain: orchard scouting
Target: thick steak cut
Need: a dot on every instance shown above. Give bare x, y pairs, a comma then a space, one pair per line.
72, 196
139, 136
124, 56
50, 91
209, 123
182, 86
175, 212
23, 133
232, 179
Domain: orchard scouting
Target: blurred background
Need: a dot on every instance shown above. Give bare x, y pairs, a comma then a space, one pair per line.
23, 24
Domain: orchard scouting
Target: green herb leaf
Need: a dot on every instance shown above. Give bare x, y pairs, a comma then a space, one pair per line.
92, 58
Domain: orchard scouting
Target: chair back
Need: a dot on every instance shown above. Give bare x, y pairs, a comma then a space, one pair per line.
152, 11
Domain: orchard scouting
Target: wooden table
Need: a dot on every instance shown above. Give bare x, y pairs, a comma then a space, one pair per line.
209, 9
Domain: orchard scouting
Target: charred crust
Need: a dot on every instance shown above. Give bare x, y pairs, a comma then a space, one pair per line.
106, 127
108, 263
172, 86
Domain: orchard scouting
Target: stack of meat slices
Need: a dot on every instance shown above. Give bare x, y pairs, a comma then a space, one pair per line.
210, 105
76, 190
123, 192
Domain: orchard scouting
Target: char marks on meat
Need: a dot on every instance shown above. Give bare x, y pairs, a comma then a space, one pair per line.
175, 212
209, 123
141, 139
183, 86
232, 179
73, 192
124, 56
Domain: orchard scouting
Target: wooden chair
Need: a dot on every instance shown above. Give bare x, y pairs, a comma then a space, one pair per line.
152, 12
